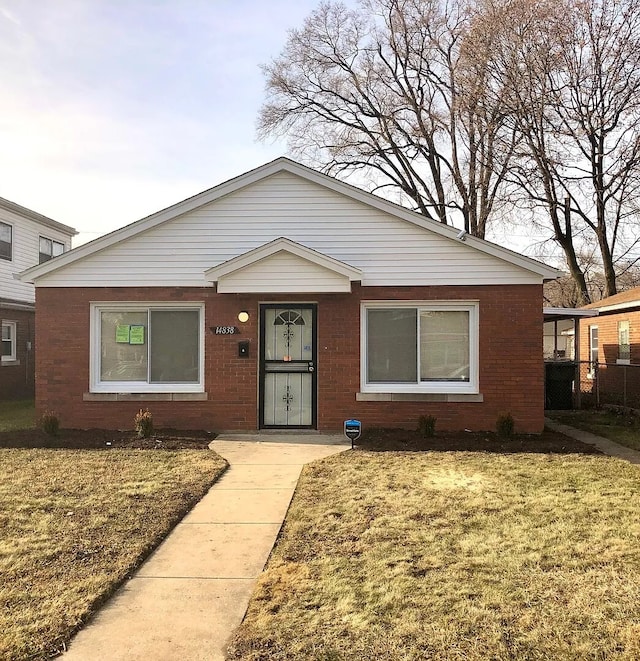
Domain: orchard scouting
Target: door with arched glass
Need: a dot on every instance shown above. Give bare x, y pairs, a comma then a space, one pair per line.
288, 377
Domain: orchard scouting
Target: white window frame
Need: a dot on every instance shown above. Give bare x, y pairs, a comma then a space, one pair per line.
98, 386
596, 362
10, 226
470, 387
52, 241
13, 356
624, 361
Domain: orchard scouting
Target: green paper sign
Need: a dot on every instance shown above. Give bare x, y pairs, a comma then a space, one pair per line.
136, 335
122, 334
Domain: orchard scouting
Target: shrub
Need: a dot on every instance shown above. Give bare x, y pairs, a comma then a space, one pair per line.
505, 425
50, 423
143, 423
427, 426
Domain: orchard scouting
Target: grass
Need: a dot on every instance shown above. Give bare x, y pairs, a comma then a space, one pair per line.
17, 414
442, 555
623, 428
73, 525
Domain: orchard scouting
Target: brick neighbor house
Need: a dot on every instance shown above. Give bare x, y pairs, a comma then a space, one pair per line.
612, 341
284, 298
26, 238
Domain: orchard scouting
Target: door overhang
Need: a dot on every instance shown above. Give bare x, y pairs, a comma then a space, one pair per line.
283, 267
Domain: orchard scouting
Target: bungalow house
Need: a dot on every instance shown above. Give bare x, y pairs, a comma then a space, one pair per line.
26, 238
284, 298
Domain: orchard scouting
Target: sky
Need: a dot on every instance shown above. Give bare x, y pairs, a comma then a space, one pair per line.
113, 109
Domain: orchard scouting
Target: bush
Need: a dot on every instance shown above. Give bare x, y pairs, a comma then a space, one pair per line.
143, 423
50, 423
505, 425
427, 426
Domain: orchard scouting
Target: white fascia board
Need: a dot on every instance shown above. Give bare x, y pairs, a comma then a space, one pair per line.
568, 313
279, 245
279, 165
19, 210
619, 306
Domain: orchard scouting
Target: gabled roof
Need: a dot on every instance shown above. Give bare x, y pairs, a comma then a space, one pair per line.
283, 165
622, 301
37, 217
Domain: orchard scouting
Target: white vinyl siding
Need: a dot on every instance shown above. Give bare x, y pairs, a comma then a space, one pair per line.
283, 273
388, 250
147, 347
26, 235
420, 347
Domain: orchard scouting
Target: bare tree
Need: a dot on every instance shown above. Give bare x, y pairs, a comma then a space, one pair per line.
573, 71
395, 89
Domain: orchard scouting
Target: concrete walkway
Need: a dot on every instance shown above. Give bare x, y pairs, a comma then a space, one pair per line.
603, 444
192, 592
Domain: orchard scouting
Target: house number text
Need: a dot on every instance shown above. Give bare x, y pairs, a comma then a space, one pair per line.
226, 330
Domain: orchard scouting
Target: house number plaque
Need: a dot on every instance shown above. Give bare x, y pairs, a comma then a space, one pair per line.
225, 330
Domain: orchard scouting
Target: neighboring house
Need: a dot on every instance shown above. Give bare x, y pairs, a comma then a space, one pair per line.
26, 238
612, 342
613, 336
284, 298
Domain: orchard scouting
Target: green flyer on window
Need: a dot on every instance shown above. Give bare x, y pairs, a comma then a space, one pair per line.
122, 334
136, 335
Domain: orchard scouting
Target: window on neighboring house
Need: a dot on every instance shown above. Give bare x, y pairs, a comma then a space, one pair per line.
146, 348
423, 347
9, 341
593, 348
624, 348
6, 241
49, 249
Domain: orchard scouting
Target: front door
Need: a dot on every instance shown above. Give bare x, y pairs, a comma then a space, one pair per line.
287, 366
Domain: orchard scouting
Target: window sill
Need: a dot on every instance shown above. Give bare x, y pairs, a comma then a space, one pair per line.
623, 361
417, 397
7, 363
144, 396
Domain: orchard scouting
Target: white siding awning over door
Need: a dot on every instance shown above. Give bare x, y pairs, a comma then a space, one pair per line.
282, 266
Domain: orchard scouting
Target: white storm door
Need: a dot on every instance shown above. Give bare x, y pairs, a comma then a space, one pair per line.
288, 366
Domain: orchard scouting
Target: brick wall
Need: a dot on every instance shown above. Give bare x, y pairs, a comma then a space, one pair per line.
608, 335
511, 368
17, 379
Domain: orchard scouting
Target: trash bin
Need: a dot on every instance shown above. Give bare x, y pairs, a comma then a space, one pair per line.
558, 385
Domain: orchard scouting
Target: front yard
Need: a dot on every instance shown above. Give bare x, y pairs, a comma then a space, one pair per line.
453, 555
74, 524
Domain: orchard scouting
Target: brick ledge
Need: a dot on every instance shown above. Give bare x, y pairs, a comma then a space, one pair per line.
417, 397
144, 396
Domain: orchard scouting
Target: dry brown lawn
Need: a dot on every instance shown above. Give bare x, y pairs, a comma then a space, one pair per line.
74, 524
458, 556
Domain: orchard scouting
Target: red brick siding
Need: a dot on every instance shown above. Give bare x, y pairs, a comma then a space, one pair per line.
511, 368
608, 335
17, 380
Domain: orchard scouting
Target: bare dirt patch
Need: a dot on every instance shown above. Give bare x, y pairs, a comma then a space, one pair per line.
402, 440
93, 439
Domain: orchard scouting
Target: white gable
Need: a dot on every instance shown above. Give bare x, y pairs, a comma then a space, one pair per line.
388, 248
282, 266
283, 273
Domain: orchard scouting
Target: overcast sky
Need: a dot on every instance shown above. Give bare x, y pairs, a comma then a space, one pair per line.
113, 109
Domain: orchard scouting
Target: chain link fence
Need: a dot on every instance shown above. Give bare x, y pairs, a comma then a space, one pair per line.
609, 383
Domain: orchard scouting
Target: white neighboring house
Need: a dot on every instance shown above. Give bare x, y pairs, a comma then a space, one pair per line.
26, 239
